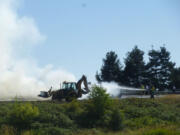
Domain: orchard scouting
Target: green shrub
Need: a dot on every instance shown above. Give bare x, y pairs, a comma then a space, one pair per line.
134, 112
29, 132
116, 122
74, 110
101, 101
7, 130
62, 120
22, 115
143, 122
54, 119
161, 132
99, 108
55, 131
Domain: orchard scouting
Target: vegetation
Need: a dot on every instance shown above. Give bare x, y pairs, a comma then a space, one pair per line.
159, 68
111, 69
22, 115
135, 68
159, 71
175, 77
98, 111
99, 115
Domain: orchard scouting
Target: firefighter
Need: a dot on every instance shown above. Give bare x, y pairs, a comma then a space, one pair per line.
152, 91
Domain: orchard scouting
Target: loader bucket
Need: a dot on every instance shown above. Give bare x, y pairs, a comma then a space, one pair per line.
43, 94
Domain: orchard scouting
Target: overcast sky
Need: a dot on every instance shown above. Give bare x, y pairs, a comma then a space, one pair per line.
78, 33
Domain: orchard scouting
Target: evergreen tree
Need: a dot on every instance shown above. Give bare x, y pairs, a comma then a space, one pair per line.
111, 68
175, 78
160, 68
153, 68
134, 68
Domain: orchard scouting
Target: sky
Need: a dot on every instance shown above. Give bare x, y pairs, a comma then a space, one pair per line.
78, 33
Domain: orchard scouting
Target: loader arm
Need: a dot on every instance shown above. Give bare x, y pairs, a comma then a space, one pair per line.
78, 86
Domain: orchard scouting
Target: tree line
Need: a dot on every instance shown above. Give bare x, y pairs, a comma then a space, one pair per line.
159, 71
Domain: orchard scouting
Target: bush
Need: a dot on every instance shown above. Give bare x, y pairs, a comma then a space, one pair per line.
54, 119
117, 118
28, 133
143, 122
101, 101
7, 130
161, 132
74, 110
55, 131
98, 110
22, 115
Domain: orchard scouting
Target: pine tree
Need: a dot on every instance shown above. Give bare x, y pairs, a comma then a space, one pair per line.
134, 68
111, 68
175, 78
153, 68
160, 68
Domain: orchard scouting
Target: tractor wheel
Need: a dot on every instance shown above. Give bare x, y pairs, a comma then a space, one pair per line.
53, 97
71, 97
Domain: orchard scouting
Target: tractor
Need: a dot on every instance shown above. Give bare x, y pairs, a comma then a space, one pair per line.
69, 90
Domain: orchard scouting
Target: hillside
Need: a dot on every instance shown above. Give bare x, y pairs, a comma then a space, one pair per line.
137, 116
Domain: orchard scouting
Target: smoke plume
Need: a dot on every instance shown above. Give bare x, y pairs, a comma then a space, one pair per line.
115, 90
112, 88
20, 75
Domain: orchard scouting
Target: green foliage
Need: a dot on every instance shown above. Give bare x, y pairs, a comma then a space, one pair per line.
134, 68
159, 68
98, 115
7, 130
117, 119
111, 69
53, 114
175, 78
101, 112
22, 115
143, 122
98, 110
53, 119
158, 72
55, 131
100, 101
74, 110
161, 131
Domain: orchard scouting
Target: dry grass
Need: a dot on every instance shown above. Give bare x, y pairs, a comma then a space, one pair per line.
170, 99
172, 130
172, 96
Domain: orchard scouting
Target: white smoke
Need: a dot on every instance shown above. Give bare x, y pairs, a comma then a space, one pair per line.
19, 75
112, 88
115, 90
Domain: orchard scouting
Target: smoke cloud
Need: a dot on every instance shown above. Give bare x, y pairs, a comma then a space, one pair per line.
112, 88
115, 90
20, 75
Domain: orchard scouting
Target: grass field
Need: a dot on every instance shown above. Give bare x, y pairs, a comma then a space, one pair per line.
159, 116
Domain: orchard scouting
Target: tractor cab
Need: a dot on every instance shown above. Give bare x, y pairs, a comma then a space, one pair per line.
69, 86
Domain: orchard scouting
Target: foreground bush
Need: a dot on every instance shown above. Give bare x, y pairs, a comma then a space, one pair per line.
74, 109
117, 120
100, 111
135, 116
161, 132
55, 131
7, 130
22, 115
